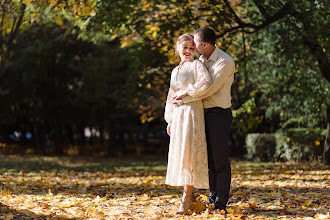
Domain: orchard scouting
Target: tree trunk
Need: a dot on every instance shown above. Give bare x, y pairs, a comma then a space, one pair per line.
324, 65
36, 146
112, 146
8, 44
326, 153
58, 138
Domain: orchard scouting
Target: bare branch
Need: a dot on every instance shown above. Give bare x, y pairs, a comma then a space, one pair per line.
13, 26
287, 9
238, 20
261, 8
242, 25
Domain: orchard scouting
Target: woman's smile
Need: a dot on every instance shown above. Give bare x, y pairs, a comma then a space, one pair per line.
186, 50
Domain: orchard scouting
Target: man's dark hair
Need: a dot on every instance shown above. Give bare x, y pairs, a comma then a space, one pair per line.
206, 34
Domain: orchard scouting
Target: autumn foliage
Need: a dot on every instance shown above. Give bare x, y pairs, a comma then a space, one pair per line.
86, 188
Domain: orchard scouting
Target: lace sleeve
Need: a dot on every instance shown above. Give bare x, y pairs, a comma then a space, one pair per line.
203, 80
169, 107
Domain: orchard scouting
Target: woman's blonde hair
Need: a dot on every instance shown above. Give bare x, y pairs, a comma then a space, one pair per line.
181, 39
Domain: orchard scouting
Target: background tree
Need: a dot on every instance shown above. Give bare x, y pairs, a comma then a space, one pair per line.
294, 32
11, 20
282, 78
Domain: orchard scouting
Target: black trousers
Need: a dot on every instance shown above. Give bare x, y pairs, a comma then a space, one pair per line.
217, 127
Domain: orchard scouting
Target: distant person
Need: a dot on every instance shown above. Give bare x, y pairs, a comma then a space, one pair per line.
187, 156
218, 115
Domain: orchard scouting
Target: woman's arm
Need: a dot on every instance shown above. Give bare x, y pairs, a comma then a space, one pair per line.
203, 81
224, 70
169, 107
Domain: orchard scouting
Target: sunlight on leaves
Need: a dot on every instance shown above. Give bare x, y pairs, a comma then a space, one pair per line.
114, 189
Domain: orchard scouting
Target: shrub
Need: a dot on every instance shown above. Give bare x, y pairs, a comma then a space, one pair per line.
260, 146
298, 144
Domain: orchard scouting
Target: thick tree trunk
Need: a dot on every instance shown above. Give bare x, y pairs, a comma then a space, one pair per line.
326, 153
324, 66
11, 37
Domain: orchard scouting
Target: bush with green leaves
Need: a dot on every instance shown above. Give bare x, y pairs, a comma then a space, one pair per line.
260, 146
294, 144
298, 144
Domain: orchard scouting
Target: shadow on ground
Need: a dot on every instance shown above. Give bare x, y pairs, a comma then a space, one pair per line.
7, 213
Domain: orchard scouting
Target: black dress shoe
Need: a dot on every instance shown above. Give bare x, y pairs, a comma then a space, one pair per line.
209, 202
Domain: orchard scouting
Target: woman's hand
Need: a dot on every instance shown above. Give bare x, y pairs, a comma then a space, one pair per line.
179, 95
168, 129
177, 102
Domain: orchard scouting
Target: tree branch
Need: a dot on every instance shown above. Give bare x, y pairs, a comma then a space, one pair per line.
287, 8
320, 56
238, 20
261, 8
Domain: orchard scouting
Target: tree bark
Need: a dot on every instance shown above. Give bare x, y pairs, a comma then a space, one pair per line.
8, 44
324, 66
326, 153
58, 137
320, 56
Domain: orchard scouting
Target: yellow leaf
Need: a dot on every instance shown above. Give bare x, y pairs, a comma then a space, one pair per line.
253, 204
277, 203
27, 2
237, 212
86, 10
52, 3
9, 216
234, 211
198, 205
58, 20
245, 205
204, 197
154, 34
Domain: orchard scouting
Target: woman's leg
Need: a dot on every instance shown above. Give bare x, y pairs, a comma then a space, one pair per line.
187, 192
187, 199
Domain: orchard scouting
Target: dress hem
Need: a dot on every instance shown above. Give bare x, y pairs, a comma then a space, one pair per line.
186, 184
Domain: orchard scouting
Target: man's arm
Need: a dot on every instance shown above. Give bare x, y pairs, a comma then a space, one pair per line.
223, 71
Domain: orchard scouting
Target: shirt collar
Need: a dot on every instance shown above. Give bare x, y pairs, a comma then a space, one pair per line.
214, 56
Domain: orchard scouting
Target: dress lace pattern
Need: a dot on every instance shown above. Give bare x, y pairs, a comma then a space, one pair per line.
187, 156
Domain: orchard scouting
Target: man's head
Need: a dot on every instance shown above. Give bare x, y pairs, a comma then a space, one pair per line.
204, 39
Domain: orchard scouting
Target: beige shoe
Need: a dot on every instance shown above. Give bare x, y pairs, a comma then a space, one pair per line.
186, 205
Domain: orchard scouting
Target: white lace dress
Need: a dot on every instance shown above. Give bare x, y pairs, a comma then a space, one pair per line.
187, 156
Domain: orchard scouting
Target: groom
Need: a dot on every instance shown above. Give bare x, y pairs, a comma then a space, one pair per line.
218, 115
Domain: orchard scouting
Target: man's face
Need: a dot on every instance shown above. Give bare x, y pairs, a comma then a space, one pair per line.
199, 44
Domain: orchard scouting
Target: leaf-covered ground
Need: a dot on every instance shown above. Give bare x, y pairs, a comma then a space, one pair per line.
99, 188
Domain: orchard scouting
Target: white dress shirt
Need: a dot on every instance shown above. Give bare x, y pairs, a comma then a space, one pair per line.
221, 68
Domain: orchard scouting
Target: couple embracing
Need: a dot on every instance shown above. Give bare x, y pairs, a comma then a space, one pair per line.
199, 119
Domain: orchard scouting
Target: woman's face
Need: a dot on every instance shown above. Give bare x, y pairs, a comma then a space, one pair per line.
186, 50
